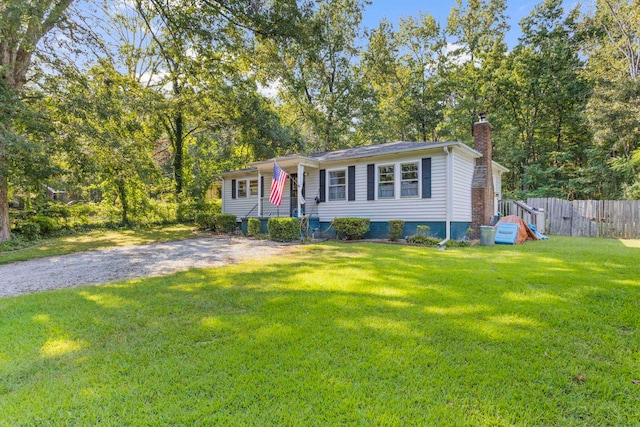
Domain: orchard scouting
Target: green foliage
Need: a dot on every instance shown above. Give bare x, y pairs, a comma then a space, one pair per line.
424, 240
47, 224
351, 228
30, 230
396, 229
254, 227
225, 223
188, 210
423, 230
205, 220
283, 229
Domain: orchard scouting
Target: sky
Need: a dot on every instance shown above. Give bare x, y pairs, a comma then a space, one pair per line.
393, 10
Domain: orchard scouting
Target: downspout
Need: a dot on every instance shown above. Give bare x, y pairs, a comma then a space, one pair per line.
448, 196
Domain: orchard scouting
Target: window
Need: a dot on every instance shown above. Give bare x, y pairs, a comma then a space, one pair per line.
386, 178
337, 185
242, 188
253, 187
409, 183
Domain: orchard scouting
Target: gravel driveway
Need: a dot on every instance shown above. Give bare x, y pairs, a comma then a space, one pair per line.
128, 262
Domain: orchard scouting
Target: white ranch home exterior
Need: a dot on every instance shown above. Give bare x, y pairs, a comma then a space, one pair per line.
420, 183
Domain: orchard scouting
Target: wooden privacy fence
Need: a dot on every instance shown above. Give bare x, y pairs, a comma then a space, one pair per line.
591, 218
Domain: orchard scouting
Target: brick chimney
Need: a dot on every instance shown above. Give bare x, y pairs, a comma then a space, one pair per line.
482, 192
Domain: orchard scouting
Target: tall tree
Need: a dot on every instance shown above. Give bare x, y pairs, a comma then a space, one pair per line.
405, 71
314, 68
544, 131
23, 24
478, 29
613, 52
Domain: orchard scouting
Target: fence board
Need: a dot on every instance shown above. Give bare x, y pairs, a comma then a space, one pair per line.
590, 218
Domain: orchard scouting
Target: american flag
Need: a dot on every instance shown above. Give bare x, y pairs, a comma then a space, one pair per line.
277, 185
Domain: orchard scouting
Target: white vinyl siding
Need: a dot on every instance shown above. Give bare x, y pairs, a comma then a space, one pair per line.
407, 208
463, 167
240, 206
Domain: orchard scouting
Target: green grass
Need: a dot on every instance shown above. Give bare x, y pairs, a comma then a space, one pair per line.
545, 333
98, 239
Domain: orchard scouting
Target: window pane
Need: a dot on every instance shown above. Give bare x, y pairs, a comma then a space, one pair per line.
337, 185
410, 171
409, 182
253, 188
386, 181
337, 178
385, 191
409, 188
242, 188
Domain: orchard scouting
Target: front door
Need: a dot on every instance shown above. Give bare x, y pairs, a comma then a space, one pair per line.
293, 188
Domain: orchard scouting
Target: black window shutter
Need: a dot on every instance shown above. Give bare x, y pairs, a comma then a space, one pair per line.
426, 178
233, 188
323, 183
351, 180
261, 186
371, 182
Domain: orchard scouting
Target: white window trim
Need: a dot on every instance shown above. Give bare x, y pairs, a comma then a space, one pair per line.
418, 179
346, 184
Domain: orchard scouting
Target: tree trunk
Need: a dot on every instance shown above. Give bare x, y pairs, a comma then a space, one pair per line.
4, 209
122, 193
179, 148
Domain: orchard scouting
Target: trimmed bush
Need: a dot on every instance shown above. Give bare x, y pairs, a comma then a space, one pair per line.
205, 220
423, 230
423, 240
47, 225
225, 223
284, 229
351, 228
254, 227
29, 230
396, 228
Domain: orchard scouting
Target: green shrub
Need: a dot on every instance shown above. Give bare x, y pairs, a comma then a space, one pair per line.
205, 220
423, 230
225, 223
351, 228
57, 210
457, 243
423, 240
254, 227
284, 229
396, 229
47, 225
29, 230
187, 210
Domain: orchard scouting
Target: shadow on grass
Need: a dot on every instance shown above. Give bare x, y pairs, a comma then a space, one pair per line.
339, 334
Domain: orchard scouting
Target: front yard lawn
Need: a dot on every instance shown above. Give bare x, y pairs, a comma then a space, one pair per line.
546, 333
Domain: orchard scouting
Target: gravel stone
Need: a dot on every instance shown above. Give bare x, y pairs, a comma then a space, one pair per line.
129, 262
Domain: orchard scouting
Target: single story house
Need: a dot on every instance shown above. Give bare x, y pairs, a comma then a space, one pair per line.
448, 186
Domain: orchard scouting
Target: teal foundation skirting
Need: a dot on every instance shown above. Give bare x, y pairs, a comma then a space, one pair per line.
380, 229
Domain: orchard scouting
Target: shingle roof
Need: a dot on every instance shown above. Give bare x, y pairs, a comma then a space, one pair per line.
372, 150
